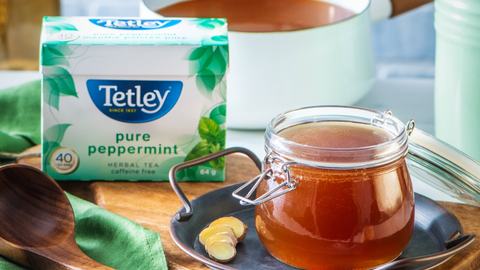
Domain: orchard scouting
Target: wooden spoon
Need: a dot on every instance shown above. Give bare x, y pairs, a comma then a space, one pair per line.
37, 225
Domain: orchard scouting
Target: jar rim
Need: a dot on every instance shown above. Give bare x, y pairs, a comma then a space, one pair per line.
366, 156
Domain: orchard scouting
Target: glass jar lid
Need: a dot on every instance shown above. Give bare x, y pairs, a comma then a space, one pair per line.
444, 167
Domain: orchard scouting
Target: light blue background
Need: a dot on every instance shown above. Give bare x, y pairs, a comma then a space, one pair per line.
404, 46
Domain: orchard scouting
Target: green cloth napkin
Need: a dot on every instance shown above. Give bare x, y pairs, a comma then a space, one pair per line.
102, 235
20, 117
111, 239
114, 240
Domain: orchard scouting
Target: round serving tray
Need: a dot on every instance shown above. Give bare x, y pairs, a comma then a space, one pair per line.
438, 234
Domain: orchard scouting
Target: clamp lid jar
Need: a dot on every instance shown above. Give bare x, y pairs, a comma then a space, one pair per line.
335, 192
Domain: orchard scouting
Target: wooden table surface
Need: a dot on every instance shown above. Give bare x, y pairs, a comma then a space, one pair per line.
152, 204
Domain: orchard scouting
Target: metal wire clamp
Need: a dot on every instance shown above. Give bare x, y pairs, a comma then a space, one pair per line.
267, 174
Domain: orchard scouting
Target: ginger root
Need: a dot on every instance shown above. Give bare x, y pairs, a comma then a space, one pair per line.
239, 228
221, 238
213, 230
221, 251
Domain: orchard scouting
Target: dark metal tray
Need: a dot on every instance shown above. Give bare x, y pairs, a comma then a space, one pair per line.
438, 235
434, 227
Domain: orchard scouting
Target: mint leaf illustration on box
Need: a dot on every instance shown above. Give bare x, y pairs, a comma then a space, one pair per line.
213, 140
52, 56
58, 82
209, 65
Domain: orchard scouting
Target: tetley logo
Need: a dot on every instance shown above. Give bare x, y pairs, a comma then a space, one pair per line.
134, 101
134, 24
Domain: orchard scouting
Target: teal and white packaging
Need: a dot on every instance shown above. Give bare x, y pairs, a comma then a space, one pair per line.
128, 98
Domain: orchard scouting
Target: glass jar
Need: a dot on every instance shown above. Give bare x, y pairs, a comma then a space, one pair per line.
335, 189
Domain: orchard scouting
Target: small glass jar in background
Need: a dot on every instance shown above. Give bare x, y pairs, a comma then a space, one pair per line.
20, 26
457, 74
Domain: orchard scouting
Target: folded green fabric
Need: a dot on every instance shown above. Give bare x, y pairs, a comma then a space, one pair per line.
114, 240
20, 114
111, 239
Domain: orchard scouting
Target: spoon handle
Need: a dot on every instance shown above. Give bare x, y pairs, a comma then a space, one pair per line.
38, 261
66, 255
43, 259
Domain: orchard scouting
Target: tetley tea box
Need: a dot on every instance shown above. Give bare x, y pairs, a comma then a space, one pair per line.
128, 98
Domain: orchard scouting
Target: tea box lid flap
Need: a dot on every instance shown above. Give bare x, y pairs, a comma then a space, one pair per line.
133, 31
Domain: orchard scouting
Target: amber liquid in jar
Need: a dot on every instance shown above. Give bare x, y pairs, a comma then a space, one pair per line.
338, 218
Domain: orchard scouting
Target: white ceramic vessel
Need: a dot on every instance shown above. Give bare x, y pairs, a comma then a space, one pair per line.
271, 72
